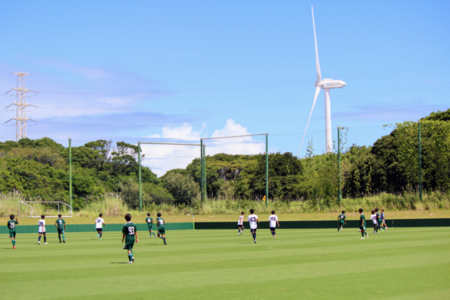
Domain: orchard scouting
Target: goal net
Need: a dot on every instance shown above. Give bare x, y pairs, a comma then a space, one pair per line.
51, 209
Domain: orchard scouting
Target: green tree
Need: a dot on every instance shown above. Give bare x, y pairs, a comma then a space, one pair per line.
182, 187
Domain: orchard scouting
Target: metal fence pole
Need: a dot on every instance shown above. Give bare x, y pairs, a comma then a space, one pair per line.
70, 174
339, 164
420, 164
140, 176
267, 169
201, 171
204, 173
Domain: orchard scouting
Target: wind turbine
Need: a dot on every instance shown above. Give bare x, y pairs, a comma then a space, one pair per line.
326, 85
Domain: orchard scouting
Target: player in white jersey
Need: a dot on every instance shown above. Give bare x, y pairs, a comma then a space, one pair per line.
273, 222
373, 217
240, 224
99, 223
42, 231
253, 221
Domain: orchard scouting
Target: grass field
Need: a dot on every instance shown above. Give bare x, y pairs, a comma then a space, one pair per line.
300, 264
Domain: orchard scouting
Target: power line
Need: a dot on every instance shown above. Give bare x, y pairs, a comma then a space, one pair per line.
278, 103
282, 83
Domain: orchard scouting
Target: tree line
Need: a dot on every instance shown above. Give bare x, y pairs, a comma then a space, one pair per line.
39, 169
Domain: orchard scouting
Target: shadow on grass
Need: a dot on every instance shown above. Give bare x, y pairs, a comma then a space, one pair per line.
120, 263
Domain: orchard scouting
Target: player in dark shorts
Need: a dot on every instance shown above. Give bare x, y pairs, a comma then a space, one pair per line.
61, 227
12, 229
161, 228
129, 234
99, 223
341, 221
362, 224
240, 224
149, 222
273, 222
379, 220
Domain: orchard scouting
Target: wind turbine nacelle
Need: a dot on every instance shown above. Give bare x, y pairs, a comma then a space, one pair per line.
331, 84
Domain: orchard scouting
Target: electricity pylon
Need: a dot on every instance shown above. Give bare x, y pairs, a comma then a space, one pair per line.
21, 105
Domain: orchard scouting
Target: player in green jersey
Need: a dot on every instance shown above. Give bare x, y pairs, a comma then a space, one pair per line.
60, 225
129, 234
12, 229
149, 222
379, 220
341, 221
362, 224
161, 228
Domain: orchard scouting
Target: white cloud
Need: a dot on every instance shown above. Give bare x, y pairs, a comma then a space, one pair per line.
231, 128
161, 158
184, 132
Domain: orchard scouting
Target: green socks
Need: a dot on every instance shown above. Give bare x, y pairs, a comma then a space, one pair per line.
14, 243
64, 237
130, 256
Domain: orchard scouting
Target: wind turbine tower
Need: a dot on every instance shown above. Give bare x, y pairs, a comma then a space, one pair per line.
326, 85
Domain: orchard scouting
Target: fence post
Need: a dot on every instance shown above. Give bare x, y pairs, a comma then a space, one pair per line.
339, 164
204, 172
420, 164
267, 169
140, 176
70, 174
201, 171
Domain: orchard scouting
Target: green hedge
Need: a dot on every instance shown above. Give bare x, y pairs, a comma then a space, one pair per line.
232, 225
50, 227
328, 224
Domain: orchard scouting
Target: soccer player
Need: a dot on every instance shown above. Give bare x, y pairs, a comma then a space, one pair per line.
273, 222
149, 222
42, 231
362, 224
240, 224
99, 223
161, 228
253, 221
12, 229
129, 234
342, 221
384, 220
60, 225
373, 217
379, 220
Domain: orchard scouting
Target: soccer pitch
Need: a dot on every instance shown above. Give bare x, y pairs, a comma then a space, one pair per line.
403, 263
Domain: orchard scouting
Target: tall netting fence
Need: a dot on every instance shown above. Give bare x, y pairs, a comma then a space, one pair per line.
405, 165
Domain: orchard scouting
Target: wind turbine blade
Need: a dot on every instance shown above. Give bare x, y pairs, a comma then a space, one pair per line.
319, 75
314, 103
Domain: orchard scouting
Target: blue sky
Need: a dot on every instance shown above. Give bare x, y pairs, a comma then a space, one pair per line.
171, 70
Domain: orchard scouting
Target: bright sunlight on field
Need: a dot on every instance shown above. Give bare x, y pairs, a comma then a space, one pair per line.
300, 264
